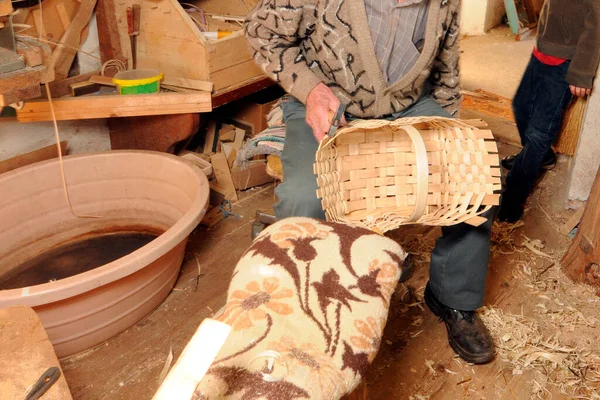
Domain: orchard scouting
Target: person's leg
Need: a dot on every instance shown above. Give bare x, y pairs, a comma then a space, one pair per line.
550, 98
457, 273
297, 193
523, 101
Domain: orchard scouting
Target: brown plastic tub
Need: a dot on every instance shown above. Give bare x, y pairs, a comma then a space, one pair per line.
143, 191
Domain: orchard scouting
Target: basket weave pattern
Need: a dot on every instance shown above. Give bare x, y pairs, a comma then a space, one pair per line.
382, 174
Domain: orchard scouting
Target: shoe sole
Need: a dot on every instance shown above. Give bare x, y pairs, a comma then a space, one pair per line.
465, 355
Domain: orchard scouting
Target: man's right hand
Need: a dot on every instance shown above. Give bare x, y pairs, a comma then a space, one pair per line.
320, 105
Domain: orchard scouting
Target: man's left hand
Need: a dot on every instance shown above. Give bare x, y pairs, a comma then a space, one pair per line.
580, 92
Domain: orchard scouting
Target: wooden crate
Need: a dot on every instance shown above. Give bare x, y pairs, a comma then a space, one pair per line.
171, 42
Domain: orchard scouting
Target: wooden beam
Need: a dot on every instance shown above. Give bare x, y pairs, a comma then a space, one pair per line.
20, 85
188, 83
64, 54
106, 106
62, 87
581, 263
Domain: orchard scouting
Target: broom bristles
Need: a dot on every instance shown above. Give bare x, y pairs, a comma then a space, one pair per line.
568, 137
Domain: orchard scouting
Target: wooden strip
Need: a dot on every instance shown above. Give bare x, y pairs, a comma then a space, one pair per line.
37, 21
572, 222
223, 175
63, 15
108, 31
90, 107
188, 83
62, 88
20, 85
42, 154
64, 54
25, 354
102, 80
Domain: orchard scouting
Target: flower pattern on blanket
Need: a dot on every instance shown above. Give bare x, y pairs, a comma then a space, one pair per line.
308, 303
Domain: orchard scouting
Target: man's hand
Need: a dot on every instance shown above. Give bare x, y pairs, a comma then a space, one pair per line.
580, 92
320, 105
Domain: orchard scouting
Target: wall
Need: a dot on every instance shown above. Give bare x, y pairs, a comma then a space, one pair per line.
83, 136
479, 16
587, 160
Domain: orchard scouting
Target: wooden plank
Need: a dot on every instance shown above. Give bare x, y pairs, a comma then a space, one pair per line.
254, 175
20, 85
188, 83
62, 88
42, 154
64, 54
223, 175
581, 263
25, 354
236, 74
90, 107
167, 39
63, 15
32, 54
572, 222
108, 31
5, 7
230, 94
102, 80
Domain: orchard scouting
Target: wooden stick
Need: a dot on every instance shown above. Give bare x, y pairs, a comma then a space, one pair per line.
194, 362
106, 106
188, 83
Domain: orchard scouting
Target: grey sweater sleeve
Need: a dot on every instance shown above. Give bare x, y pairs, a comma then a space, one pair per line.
445, 73
275, 29
587, 56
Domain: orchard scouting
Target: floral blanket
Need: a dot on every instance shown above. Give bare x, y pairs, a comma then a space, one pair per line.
308, 303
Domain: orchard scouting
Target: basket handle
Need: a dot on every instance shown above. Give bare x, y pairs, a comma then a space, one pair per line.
422, 172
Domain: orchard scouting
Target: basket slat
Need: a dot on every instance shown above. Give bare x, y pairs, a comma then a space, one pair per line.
383, 174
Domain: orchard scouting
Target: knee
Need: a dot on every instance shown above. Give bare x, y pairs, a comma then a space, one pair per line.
295, 201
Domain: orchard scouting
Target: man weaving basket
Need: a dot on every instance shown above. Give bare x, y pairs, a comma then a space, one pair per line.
384, 59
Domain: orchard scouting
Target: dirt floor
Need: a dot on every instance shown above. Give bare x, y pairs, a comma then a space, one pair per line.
545, 326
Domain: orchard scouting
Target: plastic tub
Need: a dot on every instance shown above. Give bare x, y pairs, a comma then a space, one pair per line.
138, 81
147, 191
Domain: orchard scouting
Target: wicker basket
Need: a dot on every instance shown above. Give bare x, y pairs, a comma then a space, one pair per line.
383, 174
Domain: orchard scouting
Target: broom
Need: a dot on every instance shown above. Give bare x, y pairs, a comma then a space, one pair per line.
567, 140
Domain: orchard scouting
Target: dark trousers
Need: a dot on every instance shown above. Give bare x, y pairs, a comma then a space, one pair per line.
538, 106
459, 262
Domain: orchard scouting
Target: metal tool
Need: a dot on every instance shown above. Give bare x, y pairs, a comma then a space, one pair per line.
133, 30
337, 120
44, 383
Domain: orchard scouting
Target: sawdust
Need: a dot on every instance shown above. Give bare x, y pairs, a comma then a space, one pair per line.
548, 345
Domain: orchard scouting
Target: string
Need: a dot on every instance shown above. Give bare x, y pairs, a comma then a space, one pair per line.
60, 157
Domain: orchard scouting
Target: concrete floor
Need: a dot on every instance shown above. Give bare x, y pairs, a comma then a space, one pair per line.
494, 62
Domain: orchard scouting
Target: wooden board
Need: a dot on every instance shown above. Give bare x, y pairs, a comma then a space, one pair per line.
61, 87
65, 52
108, 31
42, 154
25, 354
54, 13
188, 83
20, 85
254, 175
223, 175
90, 107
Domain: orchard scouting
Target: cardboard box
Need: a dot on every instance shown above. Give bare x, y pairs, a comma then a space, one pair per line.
253, 112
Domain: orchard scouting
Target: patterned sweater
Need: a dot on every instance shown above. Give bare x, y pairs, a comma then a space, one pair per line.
300, 43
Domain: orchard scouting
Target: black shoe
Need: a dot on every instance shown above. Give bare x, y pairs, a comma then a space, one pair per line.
548, 163
408, 268
509, 212
467, 334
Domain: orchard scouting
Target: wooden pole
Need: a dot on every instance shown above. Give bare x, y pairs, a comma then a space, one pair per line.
194, 362
582, 261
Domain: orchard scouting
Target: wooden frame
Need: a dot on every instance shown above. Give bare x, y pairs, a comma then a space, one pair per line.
172, 43
383, 174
